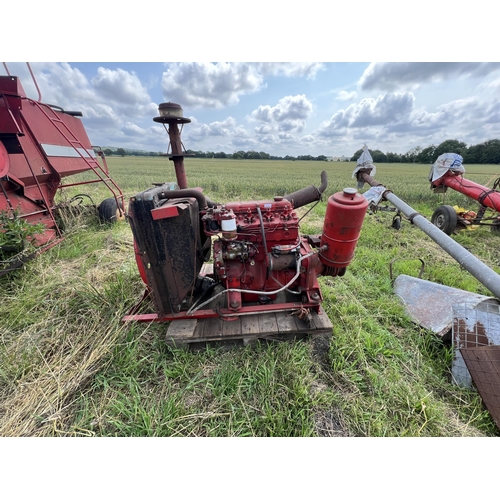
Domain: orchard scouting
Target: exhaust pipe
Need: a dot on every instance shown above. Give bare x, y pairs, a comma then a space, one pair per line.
309, 194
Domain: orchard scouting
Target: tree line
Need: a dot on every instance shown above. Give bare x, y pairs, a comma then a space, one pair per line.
486, 152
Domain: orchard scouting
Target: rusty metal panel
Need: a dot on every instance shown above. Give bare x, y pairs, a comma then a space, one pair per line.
483, 364
429, 304
474, 325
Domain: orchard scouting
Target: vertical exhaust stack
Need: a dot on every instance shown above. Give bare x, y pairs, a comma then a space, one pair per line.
171, 114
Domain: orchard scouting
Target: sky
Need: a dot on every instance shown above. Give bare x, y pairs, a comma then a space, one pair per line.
422, 95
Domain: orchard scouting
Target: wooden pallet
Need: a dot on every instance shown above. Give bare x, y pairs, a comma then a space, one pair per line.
281, 325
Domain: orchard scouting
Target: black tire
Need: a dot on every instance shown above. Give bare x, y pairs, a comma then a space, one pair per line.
396, 223
445, 218
108, 211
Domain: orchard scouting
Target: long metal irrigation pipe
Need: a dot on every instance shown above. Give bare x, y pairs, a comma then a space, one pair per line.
489, 278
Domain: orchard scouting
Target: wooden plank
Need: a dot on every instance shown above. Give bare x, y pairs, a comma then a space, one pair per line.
212, 328
231, 328
301, 325
322, 322
267, 323
285, 322
199, 331
181, 328
249, 325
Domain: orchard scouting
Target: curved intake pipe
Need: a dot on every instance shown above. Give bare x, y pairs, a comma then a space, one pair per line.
203, 201
309, 194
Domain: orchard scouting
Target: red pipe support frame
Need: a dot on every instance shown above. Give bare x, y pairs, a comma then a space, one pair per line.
485, 196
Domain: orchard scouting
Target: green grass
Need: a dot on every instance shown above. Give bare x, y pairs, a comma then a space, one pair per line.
70, 367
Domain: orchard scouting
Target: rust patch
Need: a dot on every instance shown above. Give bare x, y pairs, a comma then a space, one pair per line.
470, 337
483, 364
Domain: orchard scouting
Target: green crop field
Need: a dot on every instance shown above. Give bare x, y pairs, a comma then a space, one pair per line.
70, 367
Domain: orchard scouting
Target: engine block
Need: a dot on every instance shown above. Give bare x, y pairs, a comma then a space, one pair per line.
258, 250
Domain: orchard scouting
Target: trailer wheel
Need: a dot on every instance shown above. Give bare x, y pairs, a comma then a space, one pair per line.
108, 211
445, 218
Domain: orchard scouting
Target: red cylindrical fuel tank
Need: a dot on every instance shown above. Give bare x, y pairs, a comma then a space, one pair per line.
344, 217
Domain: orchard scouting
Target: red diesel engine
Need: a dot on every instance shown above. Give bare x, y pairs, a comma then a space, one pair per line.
257, 250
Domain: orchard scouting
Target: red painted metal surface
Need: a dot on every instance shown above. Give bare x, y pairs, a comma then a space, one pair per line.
223, 312
344, 217
486, 196
41, 144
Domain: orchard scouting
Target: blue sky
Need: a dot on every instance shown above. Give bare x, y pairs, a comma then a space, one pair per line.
294, 108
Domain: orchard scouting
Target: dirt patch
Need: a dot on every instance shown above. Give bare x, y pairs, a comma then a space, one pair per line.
329, 423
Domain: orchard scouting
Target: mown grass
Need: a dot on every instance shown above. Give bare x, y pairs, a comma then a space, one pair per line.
70, 367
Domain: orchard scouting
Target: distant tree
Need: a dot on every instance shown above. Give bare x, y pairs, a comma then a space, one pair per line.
450, 146
413, 154
238, 155
427, 155
264, 156
252, 155
491, 153
152, 153
321, 158
356, 155
120, 152
393, 158
378, 156
108, 152
474, 154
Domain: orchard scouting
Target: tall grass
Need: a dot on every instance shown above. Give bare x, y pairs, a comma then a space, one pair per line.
70, 367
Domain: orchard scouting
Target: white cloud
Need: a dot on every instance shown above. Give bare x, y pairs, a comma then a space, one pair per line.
290, 114
309, 70
133, 130
226, 128
209, 85
125, 90
411, 75
384, 110
343, 95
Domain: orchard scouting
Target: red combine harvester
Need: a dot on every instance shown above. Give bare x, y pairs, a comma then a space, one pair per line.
264, 272
447, 172
40, 144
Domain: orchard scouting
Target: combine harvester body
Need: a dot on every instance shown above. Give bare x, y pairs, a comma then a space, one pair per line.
40, 145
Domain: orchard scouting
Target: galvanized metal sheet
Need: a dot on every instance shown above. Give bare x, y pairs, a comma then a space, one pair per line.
483, 364
430, 305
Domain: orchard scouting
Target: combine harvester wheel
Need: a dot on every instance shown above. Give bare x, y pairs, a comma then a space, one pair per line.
109, 212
